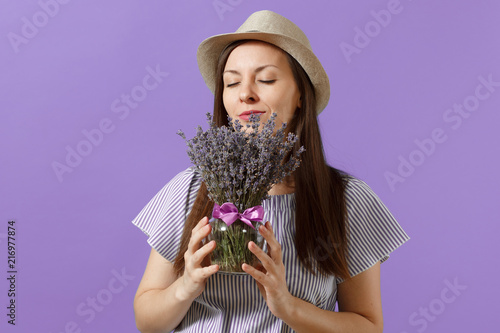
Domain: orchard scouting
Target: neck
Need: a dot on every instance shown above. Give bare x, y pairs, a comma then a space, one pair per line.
285, 187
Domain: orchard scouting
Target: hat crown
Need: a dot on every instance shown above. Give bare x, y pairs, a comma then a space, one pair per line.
267, 21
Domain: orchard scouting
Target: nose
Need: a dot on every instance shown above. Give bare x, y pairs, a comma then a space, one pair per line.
247, 93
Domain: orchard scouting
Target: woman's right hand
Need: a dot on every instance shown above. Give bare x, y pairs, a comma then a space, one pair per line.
197, 266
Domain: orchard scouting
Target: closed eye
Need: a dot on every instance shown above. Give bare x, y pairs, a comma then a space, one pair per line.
266, 82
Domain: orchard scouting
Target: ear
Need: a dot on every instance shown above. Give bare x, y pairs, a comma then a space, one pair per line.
299, 103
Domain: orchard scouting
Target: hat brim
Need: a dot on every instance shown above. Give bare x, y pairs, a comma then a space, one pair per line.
210, 49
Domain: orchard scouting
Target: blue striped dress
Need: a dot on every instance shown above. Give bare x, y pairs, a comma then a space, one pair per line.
232, 302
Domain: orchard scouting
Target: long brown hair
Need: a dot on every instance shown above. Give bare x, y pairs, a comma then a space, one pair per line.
321, 215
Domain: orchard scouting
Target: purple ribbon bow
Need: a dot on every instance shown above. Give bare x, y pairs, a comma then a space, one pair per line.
228, 213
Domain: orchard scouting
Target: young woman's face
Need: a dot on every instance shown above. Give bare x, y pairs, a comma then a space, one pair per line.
258, 78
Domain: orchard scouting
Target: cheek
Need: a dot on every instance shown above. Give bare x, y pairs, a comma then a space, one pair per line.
287, 109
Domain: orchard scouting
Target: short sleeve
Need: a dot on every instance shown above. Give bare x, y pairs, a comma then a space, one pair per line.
163, 218
373, 232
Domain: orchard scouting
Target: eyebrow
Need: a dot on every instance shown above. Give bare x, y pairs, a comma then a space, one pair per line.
258, 69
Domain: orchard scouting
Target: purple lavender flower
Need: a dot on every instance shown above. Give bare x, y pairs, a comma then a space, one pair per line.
241, 167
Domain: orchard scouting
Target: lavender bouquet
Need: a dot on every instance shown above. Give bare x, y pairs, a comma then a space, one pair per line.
239, 165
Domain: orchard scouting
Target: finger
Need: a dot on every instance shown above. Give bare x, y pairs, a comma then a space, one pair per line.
261, 287
198, 275
256, 274
200, 225
199, 255
268, 226
273, 246
196, 238
262, 290
205, 272
258, 266
266, 260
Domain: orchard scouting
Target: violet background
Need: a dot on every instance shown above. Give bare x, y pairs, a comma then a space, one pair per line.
74, 233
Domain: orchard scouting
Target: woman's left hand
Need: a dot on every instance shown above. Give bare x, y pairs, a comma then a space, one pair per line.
271, 277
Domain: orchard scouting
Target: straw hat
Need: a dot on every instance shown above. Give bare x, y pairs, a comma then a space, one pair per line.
275, 29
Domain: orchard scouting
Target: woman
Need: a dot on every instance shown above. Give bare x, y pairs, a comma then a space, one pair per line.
327, 232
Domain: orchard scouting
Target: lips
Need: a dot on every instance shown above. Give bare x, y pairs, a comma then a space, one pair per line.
246, 115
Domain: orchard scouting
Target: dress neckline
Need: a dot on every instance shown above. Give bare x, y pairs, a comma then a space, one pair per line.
279, 202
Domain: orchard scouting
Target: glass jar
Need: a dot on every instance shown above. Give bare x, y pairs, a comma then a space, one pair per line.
231, 249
